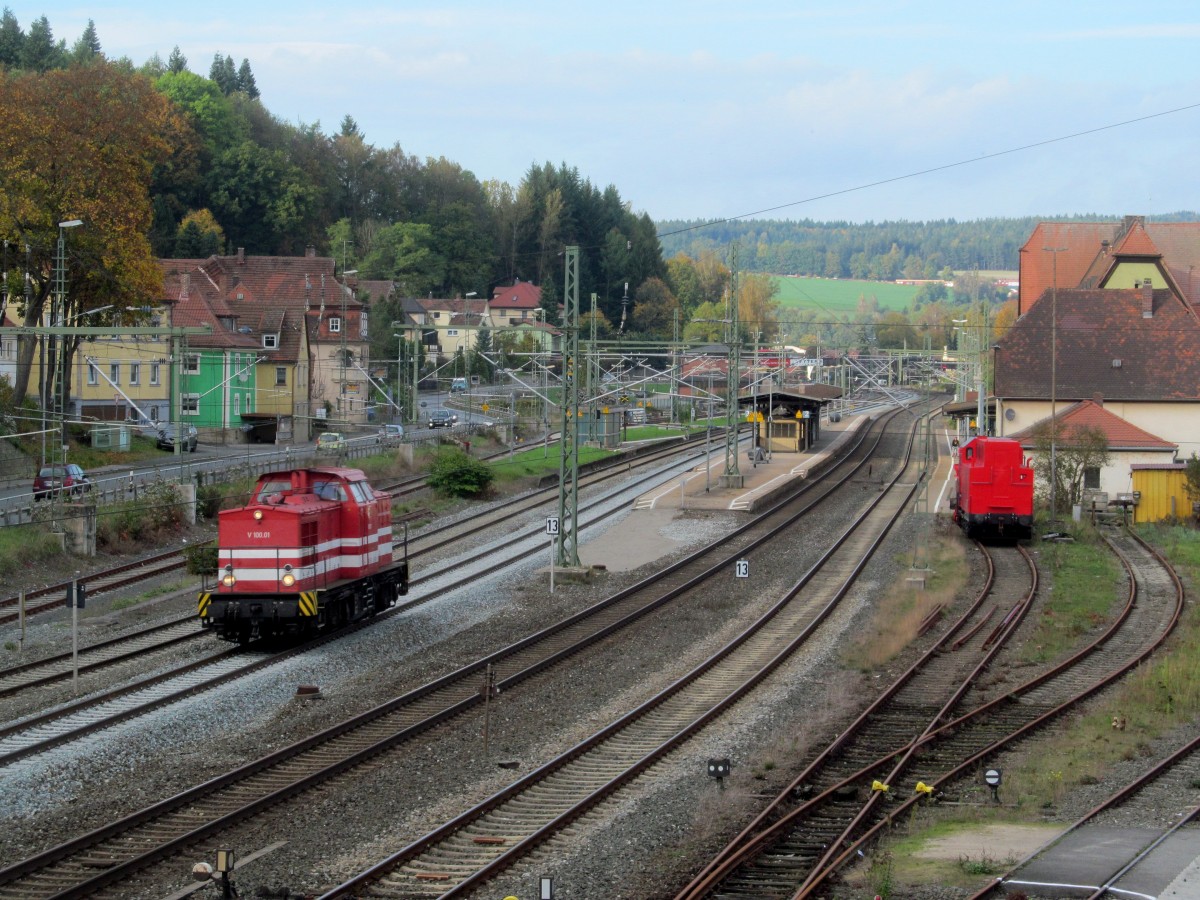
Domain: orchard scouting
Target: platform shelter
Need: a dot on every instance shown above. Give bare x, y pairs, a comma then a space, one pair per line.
788, 421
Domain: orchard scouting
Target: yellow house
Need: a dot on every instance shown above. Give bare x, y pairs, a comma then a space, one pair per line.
123, 378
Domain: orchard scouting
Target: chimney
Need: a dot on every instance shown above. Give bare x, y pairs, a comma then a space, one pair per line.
241, 256
185, 282
1105, 246
310, 252
1098, 398
1147, 289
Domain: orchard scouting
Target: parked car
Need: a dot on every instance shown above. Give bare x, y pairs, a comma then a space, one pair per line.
330, 442
170, 433
70, 478
442, 418
390, 433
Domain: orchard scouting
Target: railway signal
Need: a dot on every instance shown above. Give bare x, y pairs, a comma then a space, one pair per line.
993, 779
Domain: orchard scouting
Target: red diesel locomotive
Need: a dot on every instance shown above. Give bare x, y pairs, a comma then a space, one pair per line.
994, 489
312, 549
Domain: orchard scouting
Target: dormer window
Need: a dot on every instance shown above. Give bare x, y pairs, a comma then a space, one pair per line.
335, 325
270, 341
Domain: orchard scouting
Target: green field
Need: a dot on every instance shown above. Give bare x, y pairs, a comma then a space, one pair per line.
840, 296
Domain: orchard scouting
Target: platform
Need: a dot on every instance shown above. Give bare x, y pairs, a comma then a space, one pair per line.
701, 487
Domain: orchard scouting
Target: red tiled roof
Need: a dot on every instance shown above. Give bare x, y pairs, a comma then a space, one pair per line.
1136, 243
522, 295
267, 294
1105, 345
1120, 434
1083, 260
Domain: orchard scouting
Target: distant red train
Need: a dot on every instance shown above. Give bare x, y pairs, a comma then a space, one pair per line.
312, 549
994, 489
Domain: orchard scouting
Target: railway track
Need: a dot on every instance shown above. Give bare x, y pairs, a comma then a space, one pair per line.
138, 840
148, 641
51, 597
791, 850
466, 852
97, 712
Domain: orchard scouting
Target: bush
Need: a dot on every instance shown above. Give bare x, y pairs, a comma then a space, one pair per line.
456, 473
157, 514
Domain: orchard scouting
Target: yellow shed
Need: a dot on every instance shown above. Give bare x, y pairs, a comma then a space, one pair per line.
1160, 491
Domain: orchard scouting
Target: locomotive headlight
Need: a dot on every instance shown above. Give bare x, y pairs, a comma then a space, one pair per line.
228, 580
288, 578
258, 515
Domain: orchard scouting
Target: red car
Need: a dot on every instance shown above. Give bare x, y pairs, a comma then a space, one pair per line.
51, 480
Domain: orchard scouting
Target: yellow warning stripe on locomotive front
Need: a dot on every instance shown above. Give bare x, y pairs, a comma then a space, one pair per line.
308, 603
205, 601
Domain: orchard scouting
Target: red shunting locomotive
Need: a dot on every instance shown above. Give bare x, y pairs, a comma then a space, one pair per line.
994, 485
312, 549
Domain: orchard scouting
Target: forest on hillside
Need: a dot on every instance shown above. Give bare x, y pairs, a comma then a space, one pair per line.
879, 251
159, 161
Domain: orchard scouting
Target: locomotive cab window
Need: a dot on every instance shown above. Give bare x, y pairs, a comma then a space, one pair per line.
272, 488
358, 489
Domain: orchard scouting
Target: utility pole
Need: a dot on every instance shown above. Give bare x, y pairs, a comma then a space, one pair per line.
1054, 380
732, 478
568, 469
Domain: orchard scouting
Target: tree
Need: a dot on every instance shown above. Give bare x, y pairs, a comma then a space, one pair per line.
407, 254
176, 62
654, 309
245, 80
1076, 451
81, 143
87, 48
39, 53
223, 74
12, 40
758, 312
1192, 483
199, 236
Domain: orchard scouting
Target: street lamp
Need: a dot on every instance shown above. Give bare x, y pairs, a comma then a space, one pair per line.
1054, 379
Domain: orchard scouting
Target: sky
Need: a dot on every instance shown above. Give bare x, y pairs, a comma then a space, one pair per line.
704, 110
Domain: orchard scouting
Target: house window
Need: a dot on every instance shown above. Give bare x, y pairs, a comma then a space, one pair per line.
154, 373
281, 375
114, 373
154, 414
93, 374
1091, 478
270, 341
244, 367
189, 404
237, 405
335, 325
135, 373
191, 364
451, 332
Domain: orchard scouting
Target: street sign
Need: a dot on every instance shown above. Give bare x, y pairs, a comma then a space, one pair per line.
742, 568
552, 525
992, 777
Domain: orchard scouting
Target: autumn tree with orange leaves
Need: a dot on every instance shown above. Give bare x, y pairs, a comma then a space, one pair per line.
79, 143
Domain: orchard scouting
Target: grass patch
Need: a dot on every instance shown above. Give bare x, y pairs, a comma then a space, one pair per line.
898, 616
538, 461
149, 594
23, 546
1085, 584
1162, 694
